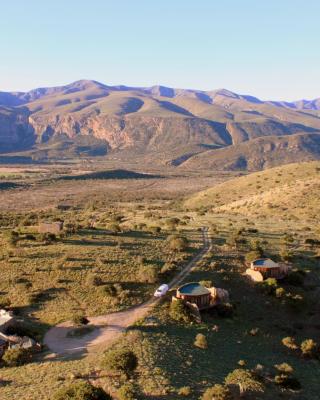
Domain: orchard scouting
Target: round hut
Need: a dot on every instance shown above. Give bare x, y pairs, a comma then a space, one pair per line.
193, 292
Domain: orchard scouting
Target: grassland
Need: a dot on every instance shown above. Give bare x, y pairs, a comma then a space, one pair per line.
47, 283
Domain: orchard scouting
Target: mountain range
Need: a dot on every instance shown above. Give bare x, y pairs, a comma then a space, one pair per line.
185, 128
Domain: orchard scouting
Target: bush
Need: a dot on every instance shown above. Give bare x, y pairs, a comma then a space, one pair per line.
253, 255
179, 312
127, 392
201, 341
93, 280
184, 391
148, 274
309, 348
16, 356
81, 391
79, 319
177, 243
245, 380
284, 377
120, 360
217, 392
155, 229
269, 286
290, 343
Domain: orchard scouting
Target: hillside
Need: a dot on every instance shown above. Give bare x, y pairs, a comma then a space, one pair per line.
287, 192
168, 125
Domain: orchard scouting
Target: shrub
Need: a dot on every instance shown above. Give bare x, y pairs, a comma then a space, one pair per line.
309, 348
81, 391
245, 380
120, 360
127, 392
114, 228
93, 280
108, 290
217, 392
284, 377
269, 286
290, 343
253, 255
148, 274
179, 312
280, 292
184, 391
201, 341
177, 243
168, 268
79, 319
16, 356
155, 229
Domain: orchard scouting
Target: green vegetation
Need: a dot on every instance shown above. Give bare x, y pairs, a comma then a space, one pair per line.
81, 391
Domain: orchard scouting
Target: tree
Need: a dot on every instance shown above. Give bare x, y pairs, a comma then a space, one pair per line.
81, 391
201, 341
245, 380
217, 392
120, 360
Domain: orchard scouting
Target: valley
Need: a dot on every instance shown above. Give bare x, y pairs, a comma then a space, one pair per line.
117, 246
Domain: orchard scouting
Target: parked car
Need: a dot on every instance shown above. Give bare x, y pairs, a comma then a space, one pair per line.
162, 290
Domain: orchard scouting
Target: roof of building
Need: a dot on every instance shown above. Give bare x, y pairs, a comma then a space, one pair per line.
265, 262
193, 289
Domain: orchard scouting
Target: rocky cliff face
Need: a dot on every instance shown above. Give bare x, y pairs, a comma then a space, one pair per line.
132, 131
16, 131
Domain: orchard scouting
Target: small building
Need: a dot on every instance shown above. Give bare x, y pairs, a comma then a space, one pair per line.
200, 296
51, 227
264, 268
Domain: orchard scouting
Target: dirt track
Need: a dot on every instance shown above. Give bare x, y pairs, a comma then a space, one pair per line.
110, 327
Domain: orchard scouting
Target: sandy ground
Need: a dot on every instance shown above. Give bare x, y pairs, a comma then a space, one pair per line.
110, 327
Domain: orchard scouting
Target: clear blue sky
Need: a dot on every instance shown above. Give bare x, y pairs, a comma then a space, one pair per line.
267, 48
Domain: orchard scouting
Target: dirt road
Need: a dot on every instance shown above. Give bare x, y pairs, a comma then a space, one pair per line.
110, 327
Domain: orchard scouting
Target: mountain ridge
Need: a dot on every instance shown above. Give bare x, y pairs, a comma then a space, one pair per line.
163, 123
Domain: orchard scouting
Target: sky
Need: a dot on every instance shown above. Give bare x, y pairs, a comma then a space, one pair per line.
266, 48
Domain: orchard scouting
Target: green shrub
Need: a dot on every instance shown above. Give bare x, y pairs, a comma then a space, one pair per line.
127, 392
16, 356
269, 286
81, 391
217, 392
245, 380
79, 319
120, 360
179, 311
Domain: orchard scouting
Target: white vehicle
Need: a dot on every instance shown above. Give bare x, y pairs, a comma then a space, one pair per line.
161, 291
